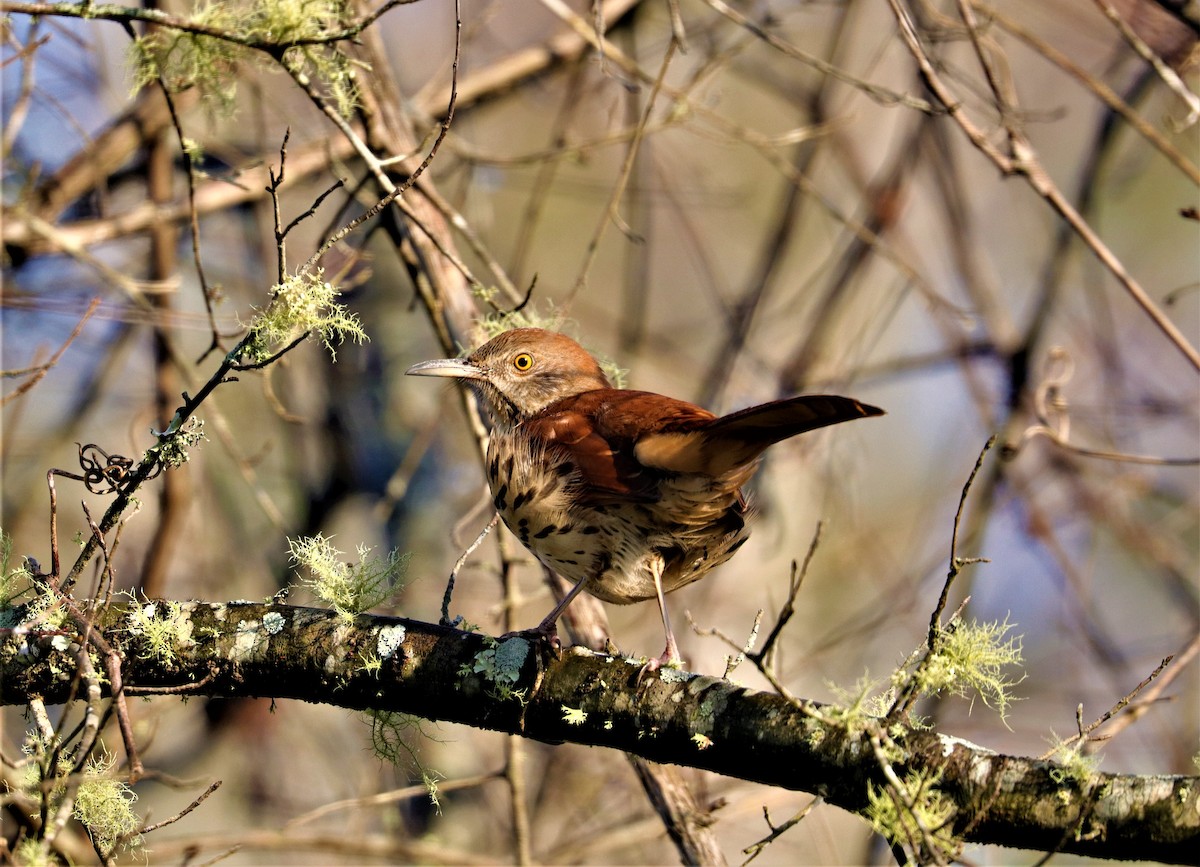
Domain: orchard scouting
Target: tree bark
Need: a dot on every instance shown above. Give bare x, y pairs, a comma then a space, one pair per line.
394, 664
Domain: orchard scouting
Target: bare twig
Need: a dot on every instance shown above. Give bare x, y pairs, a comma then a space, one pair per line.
1144, 51
1023, 161
756, 849
394, 191
766, 654
42, 369
1085, 731
146, 829
908, 695
462, 560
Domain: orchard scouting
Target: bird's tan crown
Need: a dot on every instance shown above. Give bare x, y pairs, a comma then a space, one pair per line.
527, 369
546, 347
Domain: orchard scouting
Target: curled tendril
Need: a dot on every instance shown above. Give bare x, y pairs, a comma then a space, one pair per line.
1054, 421
104, 473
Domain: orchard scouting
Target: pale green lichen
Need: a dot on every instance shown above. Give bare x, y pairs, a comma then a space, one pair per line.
350, 588
854, 706
390, 732
501, 663
104, 806
173, 446
32, 852
15, 581
916, 810
164, 629
673, 674
1073, 769
970, 659
369, 662
33, 780
185, 60
574, 716
302, 305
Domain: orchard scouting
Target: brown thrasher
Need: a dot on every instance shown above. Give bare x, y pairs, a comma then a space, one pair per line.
627, 493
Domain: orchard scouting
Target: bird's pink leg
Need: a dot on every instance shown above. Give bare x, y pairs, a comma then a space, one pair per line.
670, 655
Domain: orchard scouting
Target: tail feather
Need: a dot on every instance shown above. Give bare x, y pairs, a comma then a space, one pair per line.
771, 422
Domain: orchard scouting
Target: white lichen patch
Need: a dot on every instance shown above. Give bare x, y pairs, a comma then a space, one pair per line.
949, 742
247, 639
389, 640
674, 675
981, 769
273, 622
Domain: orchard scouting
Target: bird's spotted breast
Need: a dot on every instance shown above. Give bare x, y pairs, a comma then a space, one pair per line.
531, 494
615, 547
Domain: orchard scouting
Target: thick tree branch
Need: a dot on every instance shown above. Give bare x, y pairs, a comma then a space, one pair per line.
384, 663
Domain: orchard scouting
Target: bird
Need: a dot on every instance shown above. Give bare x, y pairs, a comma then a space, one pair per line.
628, 494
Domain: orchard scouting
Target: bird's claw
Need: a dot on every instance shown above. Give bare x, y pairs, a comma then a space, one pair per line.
652, 666
543, 636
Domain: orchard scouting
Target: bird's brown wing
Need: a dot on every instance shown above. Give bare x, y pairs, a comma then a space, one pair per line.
737, 439
624, 442
599, 431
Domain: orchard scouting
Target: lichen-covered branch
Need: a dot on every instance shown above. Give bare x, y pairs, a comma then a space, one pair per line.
393, 664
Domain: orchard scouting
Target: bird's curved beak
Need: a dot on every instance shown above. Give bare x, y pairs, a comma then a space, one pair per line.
455, 368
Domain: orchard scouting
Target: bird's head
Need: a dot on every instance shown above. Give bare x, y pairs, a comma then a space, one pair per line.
520, 372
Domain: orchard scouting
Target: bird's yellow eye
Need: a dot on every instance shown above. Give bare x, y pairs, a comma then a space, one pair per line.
522, 361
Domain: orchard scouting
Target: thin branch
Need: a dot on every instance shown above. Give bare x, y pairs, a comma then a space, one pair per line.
1084, 731
130, 14
612, 208
956, 563
756, 849
1024, 161
18, 109
1101, 90
146, 829
766, 654
907, 696
394, 191
42, 369
462, 560
1144, 51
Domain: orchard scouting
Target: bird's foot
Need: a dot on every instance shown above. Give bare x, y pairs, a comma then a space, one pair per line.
544, 636
669, 659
